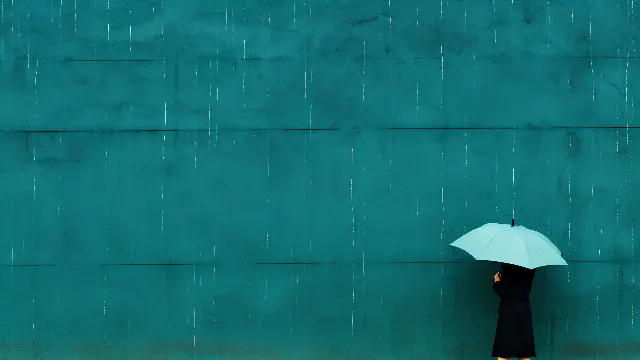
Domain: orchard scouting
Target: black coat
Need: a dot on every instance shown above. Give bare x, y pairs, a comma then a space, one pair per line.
514, 333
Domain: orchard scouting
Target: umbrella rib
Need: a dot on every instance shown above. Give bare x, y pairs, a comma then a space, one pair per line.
541, 238
527, 250
546, 240
493, 237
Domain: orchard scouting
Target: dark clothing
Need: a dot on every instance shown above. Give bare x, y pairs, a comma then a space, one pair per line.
514, 333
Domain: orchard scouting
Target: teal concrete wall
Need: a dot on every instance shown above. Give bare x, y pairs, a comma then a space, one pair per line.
279, 179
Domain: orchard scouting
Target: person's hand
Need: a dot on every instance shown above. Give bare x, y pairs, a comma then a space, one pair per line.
496, 277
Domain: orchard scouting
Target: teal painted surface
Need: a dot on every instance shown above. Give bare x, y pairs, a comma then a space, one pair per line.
228, 180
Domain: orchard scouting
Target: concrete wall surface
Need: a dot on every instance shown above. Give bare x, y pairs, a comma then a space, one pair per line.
280, 179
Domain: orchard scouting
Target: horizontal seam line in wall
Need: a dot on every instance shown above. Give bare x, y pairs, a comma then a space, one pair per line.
448, 58
289, 263
473, 128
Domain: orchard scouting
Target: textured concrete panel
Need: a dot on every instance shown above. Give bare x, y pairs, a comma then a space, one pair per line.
209, 94
384, 311
204, 65
292, 196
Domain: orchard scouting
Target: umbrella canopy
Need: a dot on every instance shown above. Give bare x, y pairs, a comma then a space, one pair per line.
510, 244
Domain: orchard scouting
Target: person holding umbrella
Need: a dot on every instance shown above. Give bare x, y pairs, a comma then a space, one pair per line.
520, 251
514, 332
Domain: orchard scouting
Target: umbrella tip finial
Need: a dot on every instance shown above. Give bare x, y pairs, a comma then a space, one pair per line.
513, 222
